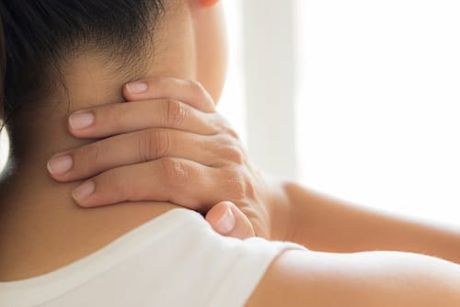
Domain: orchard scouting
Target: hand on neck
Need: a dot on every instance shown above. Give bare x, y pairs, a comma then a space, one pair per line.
39, 211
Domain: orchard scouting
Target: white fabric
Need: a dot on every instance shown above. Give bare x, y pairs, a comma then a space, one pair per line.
175, 259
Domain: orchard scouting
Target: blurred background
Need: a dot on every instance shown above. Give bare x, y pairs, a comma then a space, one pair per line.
357, 99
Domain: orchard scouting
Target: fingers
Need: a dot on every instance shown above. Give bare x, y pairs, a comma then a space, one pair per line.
226, 219
191, 92
120, 118
178, 181
143, 146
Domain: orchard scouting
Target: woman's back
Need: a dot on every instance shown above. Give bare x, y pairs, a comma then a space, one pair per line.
175, 259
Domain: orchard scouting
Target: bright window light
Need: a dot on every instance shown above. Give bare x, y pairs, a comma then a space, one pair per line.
379, 104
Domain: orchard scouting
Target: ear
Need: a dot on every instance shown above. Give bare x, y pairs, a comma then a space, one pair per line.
206, 3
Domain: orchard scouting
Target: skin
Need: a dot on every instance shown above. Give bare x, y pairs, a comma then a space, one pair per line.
295, 278
53, 231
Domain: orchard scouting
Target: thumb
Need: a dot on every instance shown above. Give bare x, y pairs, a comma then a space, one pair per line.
228, 220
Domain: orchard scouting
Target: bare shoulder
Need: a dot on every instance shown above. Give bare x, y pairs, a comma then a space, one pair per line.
373, 279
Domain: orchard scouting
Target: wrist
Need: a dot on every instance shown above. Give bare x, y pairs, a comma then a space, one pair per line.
279, 210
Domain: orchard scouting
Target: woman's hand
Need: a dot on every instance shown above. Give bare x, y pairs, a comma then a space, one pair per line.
169, 145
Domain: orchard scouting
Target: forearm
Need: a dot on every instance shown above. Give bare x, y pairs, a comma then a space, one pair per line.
325, 224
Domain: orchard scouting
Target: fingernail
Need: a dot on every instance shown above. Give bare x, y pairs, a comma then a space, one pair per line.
60, 164
137, 87
81, 120
226, 222
83, 191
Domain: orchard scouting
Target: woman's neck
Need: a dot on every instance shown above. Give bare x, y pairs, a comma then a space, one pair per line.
41, 228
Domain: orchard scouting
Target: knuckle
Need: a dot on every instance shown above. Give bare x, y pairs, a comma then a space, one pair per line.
199, 93
112, 182
196, 85
230, 131
250, 189
224, 126
153, 144
234, 154
176, 113
175, 172
197, 88
240, 186
236, 185
225, 140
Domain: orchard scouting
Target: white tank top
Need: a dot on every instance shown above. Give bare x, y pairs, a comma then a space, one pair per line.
175, 259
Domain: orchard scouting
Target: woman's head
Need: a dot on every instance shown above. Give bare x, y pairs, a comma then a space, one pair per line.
52, 46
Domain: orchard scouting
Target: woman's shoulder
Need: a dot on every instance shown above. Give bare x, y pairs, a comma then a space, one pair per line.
176, 256
38, 238
372, 279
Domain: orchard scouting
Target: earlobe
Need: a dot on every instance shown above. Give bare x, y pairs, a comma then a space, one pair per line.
207, 3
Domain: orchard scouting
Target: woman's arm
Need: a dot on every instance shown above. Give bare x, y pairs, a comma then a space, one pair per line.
374, 279
170, 145
325, 224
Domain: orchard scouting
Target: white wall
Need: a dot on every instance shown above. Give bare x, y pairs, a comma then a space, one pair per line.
232, 103
379, 108
372, 116
268, 51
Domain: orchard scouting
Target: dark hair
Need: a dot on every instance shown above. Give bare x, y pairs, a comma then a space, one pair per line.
37, 34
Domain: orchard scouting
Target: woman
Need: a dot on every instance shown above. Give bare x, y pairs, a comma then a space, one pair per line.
166, 147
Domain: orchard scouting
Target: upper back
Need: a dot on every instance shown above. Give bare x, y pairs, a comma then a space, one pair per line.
174, 260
